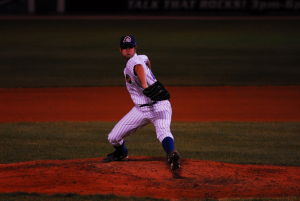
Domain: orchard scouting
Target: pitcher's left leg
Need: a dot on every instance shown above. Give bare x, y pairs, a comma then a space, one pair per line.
161, 119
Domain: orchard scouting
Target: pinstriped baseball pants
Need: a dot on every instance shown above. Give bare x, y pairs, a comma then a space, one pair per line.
159, 115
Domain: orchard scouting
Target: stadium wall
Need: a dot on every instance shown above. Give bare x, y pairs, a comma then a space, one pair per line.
150, 7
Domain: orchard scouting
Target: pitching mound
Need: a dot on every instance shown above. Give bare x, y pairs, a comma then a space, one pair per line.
150, 177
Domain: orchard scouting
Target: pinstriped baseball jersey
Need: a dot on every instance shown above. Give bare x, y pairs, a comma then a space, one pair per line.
156, 110
132, 81
159, 114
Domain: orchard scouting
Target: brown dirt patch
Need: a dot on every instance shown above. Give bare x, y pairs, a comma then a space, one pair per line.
264, 103
146, 176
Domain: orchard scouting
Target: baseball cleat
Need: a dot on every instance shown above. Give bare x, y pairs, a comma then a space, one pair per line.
174, 160
115, 156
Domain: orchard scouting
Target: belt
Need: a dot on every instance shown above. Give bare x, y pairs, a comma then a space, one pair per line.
148, 104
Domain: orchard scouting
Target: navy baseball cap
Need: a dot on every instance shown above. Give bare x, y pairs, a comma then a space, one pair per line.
127, 41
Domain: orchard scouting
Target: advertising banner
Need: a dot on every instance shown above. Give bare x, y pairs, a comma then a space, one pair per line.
153, 7
245, 6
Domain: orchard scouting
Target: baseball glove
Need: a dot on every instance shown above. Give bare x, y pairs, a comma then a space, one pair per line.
156, 92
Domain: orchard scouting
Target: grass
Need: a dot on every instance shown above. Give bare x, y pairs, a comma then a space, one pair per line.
68, 197
51, 53
244, 143
69, 53
264, 199
251, 143
75, 197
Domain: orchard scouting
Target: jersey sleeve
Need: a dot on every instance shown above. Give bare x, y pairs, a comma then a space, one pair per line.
131, 63
144, 58
135, 61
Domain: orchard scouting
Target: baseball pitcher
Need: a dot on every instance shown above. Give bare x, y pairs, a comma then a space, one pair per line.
151, 105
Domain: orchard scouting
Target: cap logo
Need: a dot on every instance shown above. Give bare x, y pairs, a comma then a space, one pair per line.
127, 39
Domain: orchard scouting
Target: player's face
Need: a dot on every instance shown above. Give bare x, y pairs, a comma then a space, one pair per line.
128, 52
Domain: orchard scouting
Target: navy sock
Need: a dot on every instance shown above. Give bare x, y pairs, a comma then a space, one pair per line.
168, 145
122, 148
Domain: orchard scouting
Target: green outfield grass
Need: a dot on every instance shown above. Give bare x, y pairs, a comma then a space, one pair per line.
244, 143
52, 53
74, 197
69, 197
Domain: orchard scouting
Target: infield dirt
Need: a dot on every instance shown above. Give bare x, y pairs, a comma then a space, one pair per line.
253, 103
150, 177
144, 176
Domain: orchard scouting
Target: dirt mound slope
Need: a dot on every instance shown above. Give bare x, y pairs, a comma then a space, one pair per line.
150, 177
